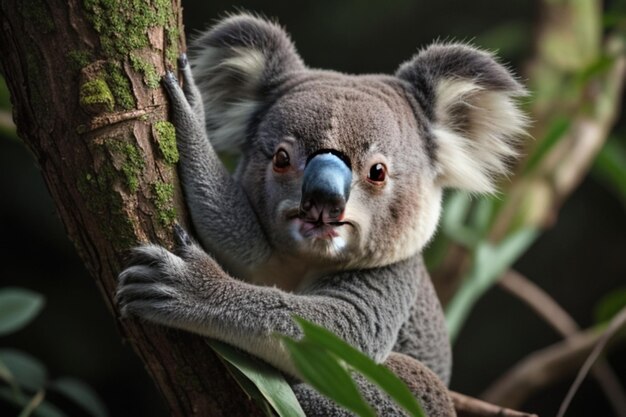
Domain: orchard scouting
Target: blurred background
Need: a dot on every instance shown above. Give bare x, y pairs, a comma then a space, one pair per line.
579, 258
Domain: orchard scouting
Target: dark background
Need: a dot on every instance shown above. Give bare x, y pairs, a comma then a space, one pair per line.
578, 261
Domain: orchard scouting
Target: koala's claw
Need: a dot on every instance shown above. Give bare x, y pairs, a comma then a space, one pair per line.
169, 78
183, 62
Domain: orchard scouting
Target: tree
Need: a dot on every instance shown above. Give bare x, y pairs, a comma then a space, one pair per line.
84, 78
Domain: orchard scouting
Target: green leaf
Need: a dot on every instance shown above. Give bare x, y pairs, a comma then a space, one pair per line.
270, 382
610, 305
27, 371
376, 373
17, 308
488, 263
327, 375
82, 394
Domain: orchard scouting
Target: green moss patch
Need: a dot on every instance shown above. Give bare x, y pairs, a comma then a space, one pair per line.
132, 162
164, 203
148, 70
79, 58
123, 24
120, 86
165, 134
96, 97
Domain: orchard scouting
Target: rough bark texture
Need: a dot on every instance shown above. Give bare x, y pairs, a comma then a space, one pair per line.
84, 80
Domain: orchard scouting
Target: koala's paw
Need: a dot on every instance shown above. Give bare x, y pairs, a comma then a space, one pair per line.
165, 287
187, 98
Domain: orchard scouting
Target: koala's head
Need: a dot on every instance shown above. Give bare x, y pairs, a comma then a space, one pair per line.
349, 169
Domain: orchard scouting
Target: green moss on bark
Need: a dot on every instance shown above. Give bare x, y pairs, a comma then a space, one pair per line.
120, 86
108, 205
132, 162
164, 203
148, 70
96, 97
79, 58
123, 24
165, 134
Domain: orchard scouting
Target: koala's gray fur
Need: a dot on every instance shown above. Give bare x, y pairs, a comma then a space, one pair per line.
447, 118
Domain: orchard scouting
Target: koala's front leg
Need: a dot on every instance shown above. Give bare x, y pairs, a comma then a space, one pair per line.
220, 210
190, 291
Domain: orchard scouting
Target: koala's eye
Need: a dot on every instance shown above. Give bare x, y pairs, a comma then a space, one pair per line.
281, 160
377, 173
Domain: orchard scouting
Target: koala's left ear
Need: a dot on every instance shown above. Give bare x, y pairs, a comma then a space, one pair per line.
470, 101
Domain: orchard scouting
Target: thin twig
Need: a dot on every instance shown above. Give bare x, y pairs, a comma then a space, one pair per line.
614, 326
473, 407
554, 315
542, 368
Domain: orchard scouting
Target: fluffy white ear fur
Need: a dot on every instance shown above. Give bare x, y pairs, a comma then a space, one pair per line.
476, 131
231, 78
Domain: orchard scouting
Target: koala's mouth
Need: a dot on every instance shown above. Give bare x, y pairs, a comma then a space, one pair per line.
319, 229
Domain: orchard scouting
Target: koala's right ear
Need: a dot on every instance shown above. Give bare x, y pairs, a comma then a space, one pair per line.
235, 63
470, 101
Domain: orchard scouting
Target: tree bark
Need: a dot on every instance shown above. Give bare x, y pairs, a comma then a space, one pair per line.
84, 78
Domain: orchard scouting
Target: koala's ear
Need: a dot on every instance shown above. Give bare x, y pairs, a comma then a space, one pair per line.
470, 101
235, 63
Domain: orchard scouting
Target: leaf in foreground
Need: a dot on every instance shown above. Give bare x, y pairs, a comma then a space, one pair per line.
325, 340
322, 370
270, 382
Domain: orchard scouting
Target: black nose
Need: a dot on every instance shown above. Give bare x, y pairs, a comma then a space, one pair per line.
325, 188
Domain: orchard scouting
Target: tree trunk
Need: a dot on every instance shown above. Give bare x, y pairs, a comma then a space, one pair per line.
84, 78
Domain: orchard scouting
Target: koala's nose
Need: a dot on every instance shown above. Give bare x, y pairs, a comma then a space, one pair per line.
325, 188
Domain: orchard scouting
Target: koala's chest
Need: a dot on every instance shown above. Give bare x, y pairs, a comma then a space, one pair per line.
288, 274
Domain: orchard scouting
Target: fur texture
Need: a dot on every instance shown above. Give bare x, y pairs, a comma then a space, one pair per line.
446, 118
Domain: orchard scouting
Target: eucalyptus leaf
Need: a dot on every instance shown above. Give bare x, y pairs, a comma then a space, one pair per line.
327, 375
82, 394
489, 261
27, 371
17, 308
269, 381
376, 373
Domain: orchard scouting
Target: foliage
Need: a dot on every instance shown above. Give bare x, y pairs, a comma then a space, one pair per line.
24, 380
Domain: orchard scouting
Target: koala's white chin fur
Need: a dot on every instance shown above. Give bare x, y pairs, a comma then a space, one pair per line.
327, 243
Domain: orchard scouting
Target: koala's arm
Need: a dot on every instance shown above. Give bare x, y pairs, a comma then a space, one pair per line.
190, 291
220, 211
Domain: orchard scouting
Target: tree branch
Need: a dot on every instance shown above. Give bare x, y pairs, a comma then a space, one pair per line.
552, 313
84, 83
473, 407
542, 368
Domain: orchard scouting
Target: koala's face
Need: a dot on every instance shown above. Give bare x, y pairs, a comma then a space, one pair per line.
349, 170
367, 125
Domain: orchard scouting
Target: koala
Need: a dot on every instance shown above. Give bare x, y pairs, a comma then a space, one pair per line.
337, 190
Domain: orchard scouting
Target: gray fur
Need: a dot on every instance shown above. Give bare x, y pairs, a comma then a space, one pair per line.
441, 121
